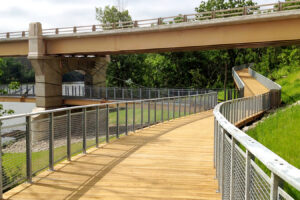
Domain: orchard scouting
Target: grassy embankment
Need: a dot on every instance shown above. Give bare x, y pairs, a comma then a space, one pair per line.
280, 132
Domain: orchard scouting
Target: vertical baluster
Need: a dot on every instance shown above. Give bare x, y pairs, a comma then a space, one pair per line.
232, 167
133, 116
117, 132
28, 151
149, 113
107, 124
162, 110
69, 129
155, 112
142, 114
84, 130
247, 175
51, 141
274, 186
126, 119
97, 127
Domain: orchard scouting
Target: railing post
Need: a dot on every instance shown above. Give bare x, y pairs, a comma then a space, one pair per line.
162, 110
222, 161
117, 135
115, 96
126, 119
280, 6
106, 93
107, 124
232, 167
142, 114
84, 131
195, 105
185, 18
247, 175
190, 105
179, 104
69, 129
184, 106
168, 109
159, 21
93, 28
140, 93
148, 113
97, 127
274, 186
245, 11
133, 116
28, 151
174, 102
213, 14
51, 141
154, 111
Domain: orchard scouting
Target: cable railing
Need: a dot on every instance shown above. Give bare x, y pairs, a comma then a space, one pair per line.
37, 141
188, 18
237, 155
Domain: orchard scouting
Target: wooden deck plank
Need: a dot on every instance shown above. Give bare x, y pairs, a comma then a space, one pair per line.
252, 86
172, 160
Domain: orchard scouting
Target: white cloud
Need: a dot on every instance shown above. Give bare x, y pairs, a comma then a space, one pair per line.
16, 15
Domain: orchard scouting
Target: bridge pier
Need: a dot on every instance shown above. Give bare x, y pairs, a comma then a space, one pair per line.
50, 69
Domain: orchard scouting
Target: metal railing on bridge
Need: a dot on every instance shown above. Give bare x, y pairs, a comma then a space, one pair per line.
236, 154
189, 18
115, 93
37, 141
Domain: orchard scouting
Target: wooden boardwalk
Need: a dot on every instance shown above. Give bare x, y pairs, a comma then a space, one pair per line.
172, 160
252, 86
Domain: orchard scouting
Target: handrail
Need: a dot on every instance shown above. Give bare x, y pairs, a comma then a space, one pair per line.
231, 160
240, 84
239, 11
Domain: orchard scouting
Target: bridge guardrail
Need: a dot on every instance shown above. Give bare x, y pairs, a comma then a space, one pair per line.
224, 13
36, 141
238, 174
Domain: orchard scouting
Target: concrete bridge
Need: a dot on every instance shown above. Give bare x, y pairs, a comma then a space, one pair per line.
49, 50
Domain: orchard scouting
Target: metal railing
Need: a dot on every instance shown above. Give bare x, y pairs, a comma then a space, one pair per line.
115, 93
37, 141
225, 13
24, 90
237, 154
238, 81
274, 88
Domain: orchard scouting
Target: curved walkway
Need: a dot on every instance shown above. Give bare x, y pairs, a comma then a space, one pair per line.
172, 160
252, 86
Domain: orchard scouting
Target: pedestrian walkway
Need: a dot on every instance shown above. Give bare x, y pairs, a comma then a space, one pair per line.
171, 160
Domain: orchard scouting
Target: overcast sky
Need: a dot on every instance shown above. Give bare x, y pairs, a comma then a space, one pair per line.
15, 15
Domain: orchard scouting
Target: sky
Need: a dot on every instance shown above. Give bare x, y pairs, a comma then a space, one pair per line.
15, 15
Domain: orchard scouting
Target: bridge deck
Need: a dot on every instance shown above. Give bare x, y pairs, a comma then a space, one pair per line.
252, 86
172, 160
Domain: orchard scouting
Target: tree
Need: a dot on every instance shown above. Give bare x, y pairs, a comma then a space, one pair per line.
111, 15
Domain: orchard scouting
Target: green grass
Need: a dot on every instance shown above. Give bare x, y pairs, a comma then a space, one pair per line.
280, 131
14, 164
290, 87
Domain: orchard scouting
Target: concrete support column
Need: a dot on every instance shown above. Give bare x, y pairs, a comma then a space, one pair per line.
48, 82
48, 71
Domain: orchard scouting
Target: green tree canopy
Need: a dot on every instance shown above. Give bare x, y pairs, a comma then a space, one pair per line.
111, 14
